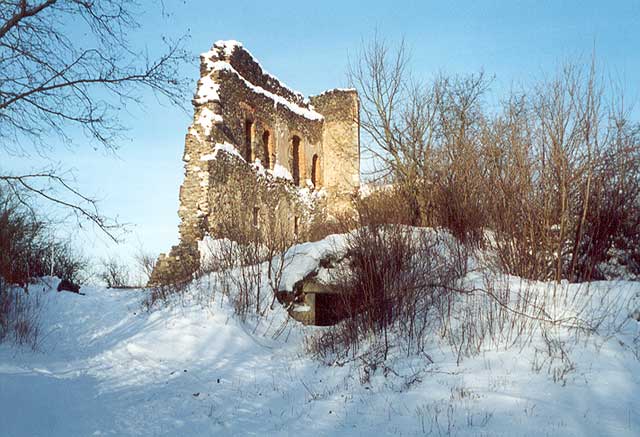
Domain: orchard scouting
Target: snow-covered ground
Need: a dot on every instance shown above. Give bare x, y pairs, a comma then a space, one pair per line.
108, 367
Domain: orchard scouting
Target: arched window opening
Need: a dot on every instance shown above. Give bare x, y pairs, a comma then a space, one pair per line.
315, 171
266, 150
248, 140
256, 211
296, 160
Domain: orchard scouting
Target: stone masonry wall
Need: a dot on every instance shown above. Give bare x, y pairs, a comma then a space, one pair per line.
341, 146
274, 132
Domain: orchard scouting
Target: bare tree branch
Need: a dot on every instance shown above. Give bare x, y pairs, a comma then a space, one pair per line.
23, 11
53, 83
83, 206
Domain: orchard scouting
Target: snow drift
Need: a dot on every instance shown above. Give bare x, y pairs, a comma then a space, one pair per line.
107, 367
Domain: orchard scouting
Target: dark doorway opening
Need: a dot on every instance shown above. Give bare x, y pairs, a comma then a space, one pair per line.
266, 150
295, 159
248, 140
315, 171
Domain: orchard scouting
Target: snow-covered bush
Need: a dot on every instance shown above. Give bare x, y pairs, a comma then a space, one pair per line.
390, 281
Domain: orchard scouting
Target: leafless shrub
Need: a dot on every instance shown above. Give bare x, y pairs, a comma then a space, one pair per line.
248, 264
28, 251
256, 222
554, 357
322, 226
161, 295
558, 163
28, 248
423, 137
67, 262
145, 263
553, 174
240, 276
22, 242
506, 312
114, 273
401, 290
19, 316
385, 204
389, 284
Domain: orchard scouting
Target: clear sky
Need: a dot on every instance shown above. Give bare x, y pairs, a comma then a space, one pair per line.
307, 45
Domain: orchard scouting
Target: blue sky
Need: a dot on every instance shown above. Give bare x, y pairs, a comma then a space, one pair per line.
307, 45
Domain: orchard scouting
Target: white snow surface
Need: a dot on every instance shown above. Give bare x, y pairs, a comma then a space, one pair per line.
304, 258
225, 147
299, 261
207, 90
107, 367
207, 118
280, 171
338, 90
228, 45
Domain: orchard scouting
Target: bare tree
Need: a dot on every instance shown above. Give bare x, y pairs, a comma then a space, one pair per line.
146, 262
67, 66
114, 273
552, 170
420, 133
563, 167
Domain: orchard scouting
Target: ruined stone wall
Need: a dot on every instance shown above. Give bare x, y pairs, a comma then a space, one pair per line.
273, 135
341, 146
243, 62
249, 206
242, 105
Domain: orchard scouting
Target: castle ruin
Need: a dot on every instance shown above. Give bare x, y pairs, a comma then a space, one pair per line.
250, 134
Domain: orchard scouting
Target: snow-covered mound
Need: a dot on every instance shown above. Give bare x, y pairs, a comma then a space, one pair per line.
299, 261
107, 367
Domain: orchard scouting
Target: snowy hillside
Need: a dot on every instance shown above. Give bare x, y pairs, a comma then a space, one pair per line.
108, 367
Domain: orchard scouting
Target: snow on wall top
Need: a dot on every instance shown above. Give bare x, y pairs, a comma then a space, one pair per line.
207, 119
225, 147
230, 55
207, 90
337, 90
227, 45
277, 99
